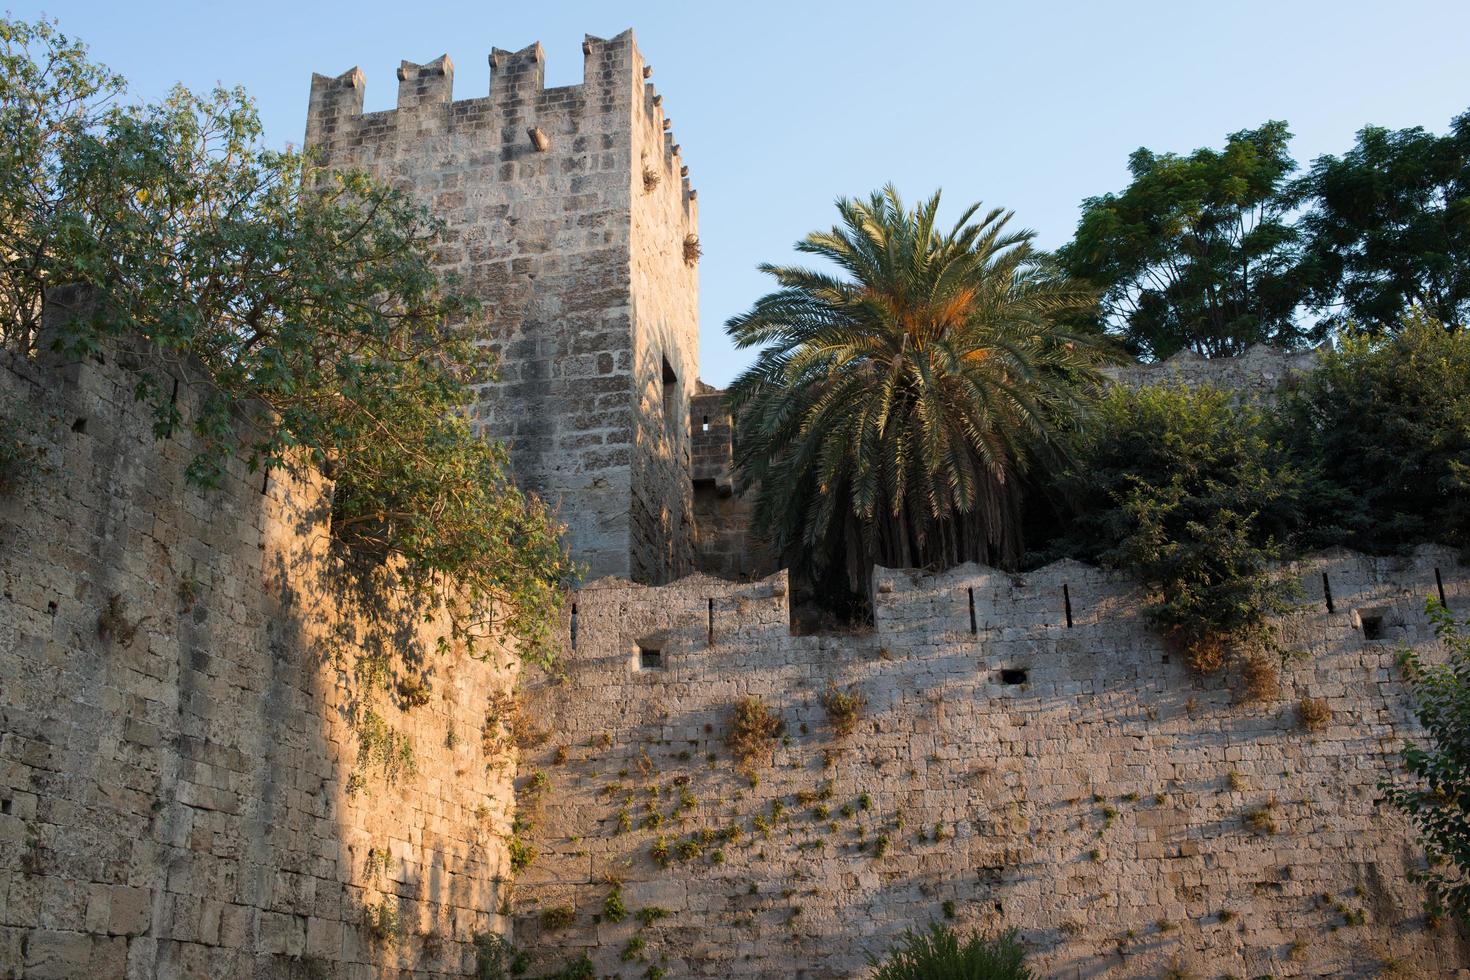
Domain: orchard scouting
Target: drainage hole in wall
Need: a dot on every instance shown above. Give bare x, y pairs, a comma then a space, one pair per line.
1013, 675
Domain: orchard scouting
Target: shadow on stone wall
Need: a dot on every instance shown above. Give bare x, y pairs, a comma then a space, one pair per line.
222, 751
1075, 781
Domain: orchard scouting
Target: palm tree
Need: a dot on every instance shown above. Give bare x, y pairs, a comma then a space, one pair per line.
894, 408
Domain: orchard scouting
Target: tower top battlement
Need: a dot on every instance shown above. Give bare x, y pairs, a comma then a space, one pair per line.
518, 96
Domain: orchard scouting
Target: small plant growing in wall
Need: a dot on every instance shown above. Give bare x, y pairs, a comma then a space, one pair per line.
381, 746
188, 592
1262, 819
558, 917
413, 691
521, 852
1260, 677
381, 920
633, 951
1313, 714
113, 623
613, 908
496, 959
692, 250
843, 709
650, 914
753, 731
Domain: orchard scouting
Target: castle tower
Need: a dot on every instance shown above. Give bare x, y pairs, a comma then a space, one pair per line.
570, 216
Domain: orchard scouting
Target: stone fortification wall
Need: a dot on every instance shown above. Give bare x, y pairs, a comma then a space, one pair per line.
1254, 374
221, 754
1029, 754
567, 212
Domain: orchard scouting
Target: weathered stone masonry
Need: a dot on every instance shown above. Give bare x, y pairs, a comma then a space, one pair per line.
568, 213
1073, 780
186, 698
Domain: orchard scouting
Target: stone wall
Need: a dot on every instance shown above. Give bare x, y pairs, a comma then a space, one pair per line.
219, 749
580, 264
1029, 754
665, 298
1253, 374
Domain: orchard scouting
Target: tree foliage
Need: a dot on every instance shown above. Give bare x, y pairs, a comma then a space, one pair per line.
305, 305
50, 95
1190, 492
939, 953
1198, 251
1436, 792
1387, 227
1383, 423
895, 403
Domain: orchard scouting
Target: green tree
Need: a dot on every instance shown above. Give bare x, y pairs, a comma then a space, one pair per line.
1387, 227
1436, 792
49, 95
1192, 494
939, 953
1384, 422
895, 404
304, 306
1197, 252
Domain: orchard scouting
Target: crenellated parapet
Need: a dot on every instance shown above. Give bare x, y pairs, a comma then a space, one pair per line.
614, 79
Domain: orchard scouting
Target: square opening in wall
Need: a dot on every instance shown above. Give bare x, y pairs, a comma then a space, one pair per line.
650, 658
1372, 622
1013, 675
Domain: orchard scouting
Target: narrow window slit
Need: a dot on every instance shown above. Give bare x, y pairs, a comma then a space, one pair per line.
710, 622
173, 398
1327, 592
574, 626
1067, 603
1439, 587
974, 628
265, 481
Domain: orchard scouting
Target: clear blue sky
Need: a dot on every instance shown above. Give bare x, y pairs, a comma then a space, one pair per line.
781, 107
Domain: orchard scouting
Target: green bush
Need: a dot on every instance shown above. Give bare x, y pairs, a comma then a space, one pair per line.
1385, 423
942, 954
1436, 792
1191, 493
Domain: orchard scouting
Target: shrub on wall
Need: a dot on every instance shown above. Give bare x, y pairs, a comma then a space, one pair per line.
1193, 495
941, 952
753, 730
1385, 422
1436, 792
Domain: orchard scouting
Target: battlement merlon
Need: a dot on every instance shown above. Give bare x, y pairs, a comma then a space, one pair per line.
333, 101
429, 84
